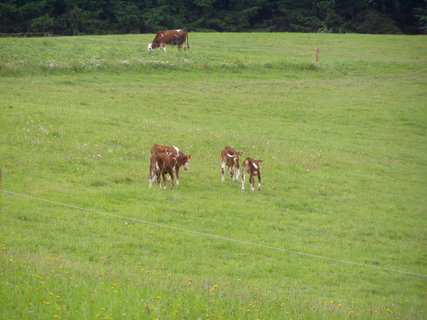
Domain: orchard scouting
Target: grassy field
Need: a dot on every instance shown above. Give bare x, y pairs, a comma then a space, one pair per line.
345, 149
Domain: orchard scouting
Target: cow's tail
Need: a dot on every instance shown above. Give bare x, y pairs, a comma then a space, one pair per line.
188, 43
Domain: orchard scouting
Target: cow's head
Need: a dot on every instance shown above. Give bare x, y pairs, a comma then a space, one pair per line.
185, 161
152, 46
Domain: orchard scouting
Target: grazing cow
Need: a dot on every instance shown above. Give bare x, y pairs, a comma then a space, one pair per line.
175, 37
181, 159
230, 157
161, 163
251, 166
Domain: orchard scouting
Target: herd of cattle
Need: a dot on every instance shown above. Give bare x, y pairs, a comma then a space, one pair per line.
169, 159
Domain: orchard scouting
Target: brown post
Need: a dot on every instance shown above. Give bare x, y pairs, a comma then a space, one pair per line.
316, 54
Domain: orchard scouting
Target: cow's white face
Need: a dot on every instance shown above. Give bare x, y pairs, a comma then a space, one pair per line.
150, 47
186, 166
186, 162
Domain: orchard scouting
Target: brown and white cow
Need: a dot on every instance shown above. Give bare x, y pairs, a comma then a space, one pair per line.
230, 157
162, 163
182, 160
174, 37
251, 166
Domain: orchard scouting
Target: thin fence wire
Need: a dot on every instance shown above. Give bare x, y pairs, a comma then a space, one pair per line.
213, 236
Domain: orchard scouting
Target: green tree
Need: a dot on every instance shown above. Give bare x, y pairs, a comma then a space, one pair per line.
128, 16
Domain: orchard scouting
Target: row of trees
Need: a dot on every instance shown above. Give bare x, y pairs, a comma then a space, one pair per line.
72, 17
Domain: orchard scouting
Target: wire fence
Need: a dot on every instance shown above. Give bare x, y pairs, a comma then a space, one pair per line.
213, 236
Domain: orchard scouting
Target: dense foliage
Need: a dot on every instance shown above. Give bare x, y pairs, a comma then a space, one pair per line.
72, 17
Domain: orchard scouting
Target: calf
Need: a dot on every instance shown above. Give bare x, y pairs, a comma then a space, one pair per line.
251, 166
181, 159
230, 157
161, 163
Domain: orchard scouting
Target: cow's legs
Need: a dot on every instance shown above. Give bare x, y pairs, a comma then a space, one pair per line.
252, 182
222, 170
177, 174
243, 180
153, 173
236, 174
165, 181
171, 174
232, 172
259, 181
151, 178
158, 176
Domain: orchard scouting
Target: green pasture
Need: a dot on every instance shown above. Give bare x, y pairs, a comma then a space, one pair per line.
340, 220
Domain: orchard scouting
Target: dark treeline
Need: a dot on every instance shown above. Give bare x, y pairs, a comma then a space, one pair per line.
73, 17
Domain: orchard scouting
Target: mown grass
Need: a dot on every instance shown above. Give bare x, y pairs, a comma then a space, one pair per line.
344, 177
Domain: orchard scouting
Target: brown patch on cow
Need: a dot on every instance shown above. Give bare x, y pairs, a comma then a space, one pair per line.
162, 163
230, 158
251, 166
